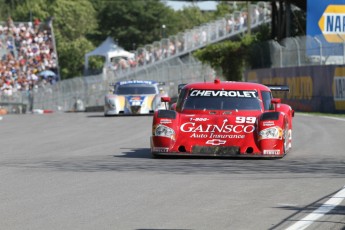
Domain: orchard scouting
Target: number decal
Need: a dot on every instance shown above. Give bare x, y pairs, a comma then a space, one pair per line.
242, 120
251, 120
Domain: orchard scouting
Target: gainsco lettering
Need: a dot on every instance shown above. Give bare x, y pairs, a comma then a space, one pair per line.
222, 93
191, 127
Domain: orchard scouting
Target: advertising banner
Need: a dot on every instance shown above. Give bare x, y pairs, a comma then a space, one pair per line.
326, 25
312, 88
326, 18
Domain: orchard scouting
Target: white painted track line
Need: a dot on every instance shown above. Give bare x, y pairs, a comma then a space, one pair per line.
320, 212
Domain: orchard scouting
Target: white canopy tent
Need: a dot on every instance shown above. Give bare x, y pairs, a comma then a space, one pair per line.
108, 49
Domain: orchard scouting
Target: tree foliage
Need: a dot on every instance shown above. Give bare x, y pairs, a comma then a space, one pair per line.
228, 57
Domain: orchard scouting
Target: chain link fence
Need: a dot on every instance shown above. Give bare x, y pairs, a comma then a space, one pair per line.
90, 90
298, 51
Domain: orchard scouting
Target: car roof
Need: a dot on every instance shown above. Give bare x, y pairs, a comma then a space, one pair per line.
227, 85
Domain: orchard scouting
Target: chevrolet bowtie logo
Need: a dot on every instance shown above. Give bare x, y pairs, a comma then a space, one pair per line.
215, 142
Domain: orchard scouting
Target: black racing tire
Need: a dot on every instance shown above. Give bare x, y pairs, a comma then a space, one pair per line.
286, 139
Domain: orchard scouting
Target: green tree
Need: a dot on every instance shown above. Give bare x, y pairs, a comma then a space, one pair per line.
5, 10
135, 22
27, 10
73, 21
191, 17
228, 58
71, 56
223, 8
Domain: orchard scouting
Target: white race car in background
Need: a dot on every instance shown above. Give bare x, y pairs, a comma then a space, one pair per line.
134, 97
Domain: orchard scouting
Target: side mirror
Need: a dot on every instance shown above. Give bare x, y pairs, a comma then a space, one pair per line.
165, 99
173, 106
276, 100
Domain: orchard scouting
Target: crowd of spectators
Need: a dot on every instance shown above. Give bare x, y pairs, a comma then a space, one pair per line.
196, 37
26, 49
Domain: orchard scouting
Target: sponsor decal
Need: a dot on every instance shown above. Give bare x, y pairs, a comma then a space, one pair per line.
165, 121
135, 100
301, 87
160, 149
215, 142
136, 82
212, 135
252, 76
199, 119
223, 93
225, 130
271, 152
339, 88
332, 23
268, 123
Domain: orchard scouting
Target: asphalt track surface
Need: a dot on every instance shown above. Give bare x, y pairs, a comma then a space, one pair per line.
85, 171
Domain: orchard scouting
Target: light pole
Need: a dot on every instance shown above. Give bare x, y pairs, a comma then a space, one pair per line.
249, 18
343, 47
320, 43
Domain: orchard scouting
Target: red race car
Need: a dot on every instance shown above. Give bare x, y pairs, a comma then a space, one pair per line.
225, 119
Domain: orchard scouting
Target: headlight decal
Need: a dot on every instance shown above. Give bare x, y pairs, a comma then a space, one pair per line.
111, 102
163, 131
271, 133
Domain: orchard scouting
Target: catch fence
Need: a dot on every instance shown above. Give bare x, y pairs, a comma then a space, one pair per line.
298, 51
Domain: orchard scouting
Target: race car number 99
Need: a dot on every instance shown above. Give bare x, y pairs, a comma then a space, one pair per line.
242, 120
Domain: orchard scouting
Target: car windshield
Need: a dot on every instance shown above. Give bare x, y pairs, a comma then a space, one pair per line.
135, 89
222, 100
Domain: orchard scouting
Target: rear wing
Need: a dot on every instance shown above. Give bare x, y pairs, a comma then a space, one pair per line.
279, 87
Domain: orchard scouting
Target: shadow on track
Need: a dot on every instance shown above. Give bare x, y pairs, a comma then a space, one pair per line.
146, 153
136, 153
140, 160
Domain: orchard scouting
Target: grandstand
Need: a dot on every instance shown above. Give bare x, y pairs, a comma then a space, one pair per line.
27, 50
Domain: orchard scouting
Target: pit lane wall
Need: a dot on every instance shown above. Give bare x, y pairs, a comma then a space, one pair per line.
312, 88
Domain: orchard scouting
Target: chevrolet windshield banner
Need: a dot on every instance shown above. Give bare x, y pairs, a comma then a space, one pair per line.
222, 93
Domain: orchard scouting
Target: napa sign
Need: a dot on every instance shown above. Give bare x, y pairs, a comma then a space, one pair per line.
326, 18
332, 23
